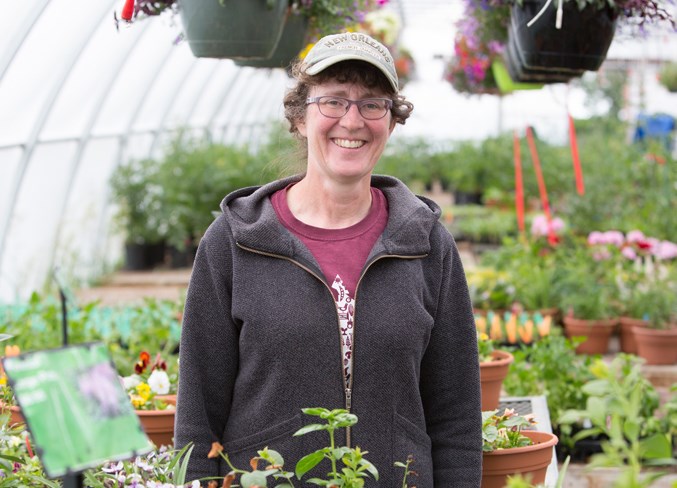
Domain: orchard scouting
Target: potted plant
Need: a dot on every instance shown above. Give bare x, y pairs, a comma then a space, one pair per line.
588, 300
667, 76
134, 189
572, 36
153, 395
657, 341
249, 30
509, 448
494, 365
7, 402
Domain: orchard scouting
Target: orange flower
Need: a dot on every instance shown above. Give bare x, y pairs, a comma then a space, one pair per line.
215, 451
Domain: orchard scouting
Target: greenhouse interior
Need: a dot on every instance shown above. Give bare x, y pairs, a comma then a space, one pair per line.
541, 151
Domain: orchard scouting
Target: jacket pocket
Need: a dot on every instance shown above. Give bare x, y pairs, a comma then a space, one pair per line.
276, 437
409, 440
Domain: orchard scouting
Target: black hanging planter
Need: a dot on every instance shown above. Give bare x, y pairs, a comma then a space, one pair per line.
521, 73
236, 29
291, 43
581, 43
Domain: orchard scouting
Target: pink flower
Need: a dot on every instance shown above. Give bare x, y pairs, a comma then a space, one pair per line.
665, 250
635, 236
594, 238
540, 226
629, 253
614, 237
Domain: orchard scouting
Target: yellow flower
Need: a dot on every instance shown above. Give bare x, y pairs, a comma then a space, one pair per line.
3, 380
143, 390
137, 401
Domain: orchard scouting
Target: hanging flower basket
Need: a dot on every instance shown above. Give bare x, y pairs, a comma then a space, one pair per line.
520, 72
580, 44
233, 28
291, 43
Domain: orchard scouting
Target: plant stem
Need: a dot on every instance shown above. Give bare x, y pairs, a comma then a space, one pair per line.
334, 474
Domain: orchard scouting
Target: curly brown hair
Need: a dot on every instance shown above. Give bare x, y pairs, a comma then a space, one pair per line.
352, 71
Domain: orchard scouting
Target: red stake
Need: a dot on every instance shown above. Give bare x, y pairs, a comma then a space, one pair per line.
552, 238
519, 185
578, 171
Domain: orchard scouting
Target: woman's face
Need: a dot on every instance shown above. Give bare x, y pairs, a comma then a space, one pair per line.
344, 150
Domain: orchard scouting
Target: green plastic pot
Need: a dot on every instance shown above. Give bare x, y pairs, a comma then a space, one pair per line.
234, 28
291, 43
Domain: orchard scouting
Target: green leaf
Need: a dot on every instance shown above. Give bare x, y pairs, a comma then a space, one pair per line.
308, 462
316, 411
311, 428
656, 446
631, 429
339, 452
596, 387
273, 457
370, 468
255, 478
596, 407
181, 468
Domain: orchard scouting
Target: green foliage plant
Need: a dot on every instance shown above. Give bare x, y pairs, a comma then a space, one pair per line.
137, 196
551, 367
356, 467
621, 405
586, 285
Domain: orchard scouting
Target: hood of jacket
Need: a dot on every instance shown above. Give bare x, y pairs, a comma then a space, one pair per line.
255, 225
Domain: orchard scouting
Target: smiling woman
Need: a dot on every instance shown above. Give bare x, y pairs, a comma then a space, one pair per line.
273, 322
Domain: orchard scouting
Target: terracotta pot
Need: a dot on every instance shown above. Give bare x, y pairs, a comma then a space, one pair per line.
597, 333
492, 374
15, 414
529, 460
657, 346
628, 343
159, 424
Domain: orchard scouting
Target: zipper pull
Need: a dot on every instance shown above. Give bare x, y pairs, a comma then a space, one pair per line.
349, 398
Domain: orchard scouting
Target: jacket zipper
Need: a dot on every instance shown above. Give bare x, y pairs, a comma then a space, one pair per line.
349, 389
348, 392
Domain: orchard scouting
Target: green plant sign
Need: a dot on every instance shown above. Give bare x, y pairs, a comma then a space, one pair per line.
75, 408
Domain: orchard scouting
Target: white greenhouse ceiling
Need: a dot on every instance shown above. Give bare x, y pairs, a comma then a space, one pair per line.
79, 97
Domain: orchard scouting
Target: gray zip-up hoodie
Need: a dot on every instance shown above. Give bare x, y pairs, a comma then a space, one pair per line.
261, 340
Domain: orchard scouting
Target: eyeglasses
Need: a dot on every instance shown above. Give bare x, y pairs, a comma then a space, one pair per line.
337, 107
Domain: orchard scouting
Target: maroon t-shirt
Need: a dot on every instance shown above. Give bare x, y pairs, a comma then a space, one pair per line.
341, 254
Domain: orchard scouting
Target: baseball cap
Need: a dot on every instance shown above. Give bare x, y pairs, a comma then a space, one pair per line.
335, 48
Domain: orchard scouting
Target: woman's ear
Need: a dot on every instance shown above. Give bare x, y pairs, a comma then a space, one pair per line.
301, 127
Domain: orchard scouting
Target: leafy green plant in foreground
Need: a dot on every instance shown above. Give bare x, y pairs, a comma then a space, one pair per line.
356, 467
617, 408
